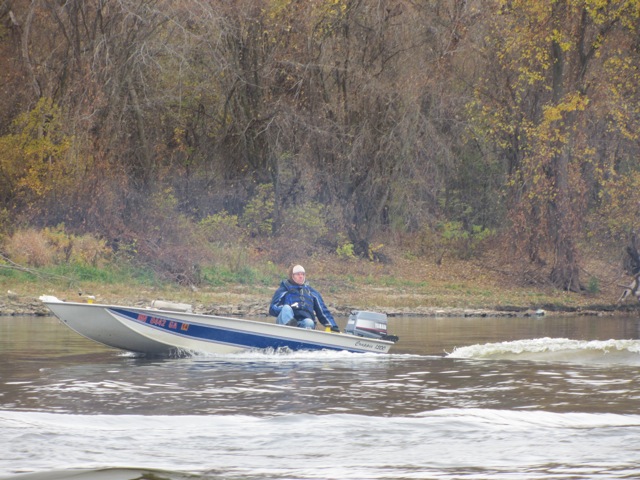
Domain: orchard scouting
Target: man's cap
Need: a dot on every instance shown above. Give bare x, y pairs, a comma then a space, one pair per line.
298, 269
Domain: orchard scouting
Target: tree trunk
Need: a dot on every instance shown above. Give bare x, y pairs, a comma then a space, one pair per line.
565, 273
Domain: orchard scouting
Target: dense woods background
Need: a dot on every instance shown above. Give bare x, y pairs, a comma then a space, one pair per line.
175, 133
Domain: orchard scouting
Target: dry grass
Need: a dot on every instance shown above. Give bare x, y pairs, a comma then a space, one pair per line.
409, 285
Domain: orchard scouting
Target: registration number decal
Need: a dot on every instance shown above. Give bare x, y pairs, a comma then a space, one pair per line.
163, 323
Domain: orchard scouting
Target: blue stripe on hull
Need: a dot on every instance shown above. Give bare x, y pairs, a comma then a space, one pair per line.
225, 336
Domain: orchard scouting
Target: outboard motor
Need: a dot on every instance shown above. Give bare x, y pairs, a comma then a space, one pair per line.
369, 325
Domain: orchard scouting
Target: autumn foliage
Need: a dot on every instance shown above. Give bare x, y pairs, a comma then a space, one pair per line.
170, 129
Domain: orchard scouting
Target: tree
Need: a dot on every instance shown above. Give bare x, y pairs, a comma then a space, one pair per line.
539, 104
34, 162
373, 110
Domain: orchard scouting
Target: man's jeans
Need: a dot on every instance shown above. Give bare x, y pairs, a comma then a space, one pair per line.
286, 315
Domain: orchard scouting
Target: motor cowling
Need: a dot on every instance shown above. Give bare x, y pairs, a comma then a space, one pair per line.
369, 325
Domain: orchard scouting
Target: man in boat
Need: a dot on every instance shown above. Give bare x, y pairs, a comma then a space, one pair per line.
296, 303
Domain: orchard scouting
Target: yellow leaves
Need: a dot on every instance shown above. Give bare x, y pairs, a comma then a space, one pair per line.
547, 56
276, 8
32, 157
328, 13
335, 7
179, 137
11, 163
621, 84
620, 201
571, 103
627, 12
561, 40
553, 131
529, 76
552, 113
278, 13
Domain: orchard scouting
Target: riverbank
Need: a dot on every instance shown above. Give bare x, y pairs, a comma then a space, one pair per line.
14, 305
480, 287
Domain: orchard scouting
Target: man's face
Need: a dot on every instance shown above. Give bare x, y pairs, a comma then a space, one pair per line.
299, 277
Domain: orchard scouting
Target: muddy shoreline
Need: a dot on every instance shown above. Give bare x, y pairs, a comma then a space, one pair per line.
14, 306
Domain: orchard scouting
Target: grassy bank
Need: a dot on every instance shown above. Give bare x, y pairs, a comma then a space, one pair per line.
401, 286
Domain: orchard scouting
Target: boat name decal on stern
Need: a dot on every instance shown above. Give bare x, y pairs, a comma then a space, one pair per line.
370, 346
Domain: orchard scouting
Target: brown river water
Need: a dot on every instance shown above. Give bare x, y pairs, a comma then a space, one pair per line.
460, 398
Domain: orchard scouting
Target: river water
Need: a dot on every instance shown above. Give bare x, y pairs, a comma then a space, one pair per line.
458, 398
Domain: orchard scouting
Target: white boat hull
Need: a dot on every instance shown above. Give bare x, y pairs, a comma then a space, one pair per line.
169, 333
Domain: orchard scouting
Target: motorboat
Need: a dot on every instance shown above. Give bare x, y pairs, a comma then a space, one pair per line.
168, 329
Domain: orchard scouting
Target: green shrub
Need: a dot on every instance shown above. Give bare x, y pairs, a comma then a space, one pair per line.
258, 214
306, 221
221, 228
594, 285
345, 251
460, 241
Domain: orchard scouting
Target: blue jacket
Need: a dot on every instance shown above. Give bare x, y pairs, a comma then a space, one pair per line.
309, 302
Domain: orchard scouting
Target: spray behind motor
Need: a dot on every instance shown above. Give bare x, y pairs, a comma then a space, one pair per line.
369, 325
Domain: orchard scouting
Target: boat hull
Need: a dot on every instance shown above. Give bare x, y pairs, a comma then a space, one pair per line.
169, 333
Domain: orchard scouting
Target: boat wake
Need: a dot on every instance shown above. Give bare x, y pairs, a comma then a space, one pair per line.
110, 473
463, 443
625, 352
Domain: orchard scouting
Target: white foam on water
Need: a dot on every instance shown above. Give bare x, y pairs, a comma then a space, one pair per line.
447, 442
556, 349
